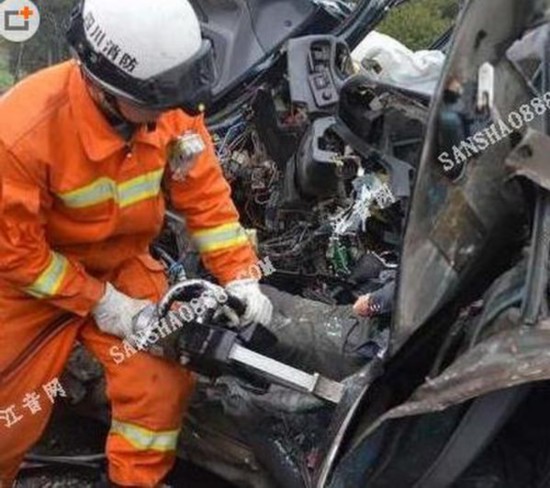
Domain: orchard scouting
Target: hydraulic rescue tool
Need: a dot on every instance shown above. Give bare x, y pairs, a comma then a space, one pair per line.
205, 340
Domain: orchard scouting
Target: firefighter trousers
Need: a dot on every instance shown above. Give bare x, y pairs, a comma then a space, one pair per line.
148, 395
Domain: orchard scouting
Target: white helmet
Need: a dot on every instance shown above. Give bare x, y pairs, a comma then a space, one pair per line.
150, 53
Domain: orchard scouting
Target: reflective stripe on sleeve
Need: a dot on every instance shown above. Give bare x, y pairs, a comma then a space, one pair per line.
49, 281
144, 439
221, 237
124, 194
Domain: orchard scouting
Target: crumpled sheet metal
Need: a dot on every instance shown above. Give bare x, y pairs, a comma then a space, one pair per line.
231, 427
312, 336
509, 358
478, 39
240, 400
530, 158
315, 336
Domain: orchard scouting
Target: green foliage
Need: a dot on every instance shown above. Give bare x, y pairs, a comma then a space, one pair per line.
418, 23
6, 79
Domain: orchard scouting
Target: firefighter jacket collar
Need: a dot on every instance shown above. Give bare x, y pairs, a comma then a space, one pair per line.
99, 139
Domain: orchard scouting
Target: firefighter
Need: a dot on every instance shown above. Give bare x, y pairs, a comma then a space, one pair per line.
83, 182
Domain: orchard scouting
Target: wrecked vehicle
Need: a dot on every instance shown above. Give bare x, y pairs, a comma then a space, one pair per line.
321, 162
462, 397
458, 398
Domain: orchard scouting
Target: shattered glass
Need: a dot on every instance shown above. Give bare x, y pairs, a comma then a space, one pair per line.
369, 191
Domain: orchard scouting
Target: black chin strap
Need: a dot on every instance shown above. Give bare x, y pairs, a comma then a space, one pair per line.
123, 126
111, 110
108, 104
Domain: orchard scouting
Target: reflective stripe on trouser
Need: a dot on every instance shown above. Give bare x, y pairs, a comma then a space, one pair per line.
220, 237
148, 395
144, 390
145, 439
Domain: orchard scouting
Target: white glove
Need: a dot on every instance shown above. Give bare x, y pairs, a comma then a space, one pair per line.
258, 307
114, 312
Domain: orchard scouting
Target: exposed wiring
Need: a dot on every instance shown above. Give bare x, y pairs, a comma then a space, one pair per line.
292, 243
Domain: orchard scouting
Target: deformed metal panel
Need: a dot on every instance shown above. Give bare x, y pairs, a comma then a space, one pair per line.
450, 223
450, 227
512, 357
530, 158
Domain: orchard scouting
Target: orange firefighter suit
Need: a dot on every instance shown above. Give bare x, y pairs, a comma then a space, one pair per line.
78, 207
